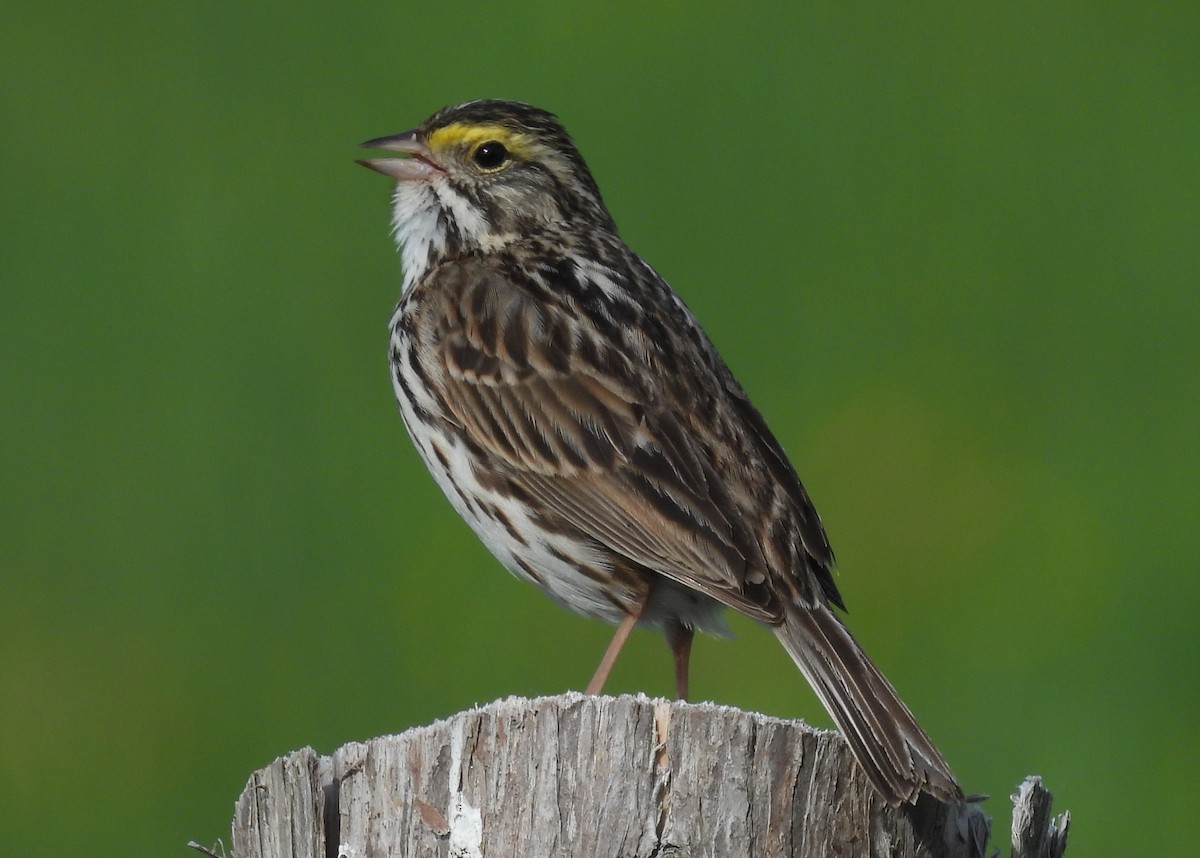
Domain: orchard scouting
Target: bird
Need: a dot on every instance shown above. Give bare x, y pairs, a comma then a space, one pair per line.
579, 419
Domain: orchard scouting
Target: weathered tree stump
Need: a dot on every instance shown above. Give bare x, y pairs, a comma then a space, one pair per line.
601, 776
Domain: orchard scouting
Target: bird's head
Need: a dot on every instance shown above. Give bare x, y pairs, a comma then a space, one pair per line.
480, 175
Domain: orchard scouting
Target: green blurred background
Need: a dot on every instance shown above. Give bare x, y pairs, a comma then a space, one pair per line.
951, 251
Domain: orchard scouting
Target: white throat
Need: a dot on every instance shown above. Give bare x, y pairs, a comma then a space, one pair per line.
418, 227
420, 214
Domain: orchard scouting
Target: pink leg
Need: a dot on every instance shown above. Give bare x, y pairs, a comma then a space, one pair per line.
679, 639
614, 649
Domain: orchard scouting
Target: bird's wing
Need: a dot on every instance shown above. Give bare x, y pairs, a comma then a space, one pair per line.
574, 422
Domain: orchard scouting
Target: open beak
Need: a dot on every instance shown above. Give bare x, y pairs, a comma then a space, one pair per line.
417, 166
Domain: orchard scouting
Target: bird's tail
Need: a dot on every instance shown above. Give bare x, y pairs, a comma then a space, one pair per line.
897, 755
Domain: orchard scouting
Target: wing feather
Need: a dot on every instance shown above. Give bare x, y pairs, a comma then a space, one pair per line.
591, 434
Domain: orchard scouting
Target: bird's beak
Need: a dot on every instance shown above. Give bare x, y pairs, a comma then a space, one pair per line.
419, 164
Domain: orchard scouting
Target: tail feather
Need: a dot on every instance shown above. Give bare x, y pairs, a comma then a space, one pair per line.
897, 755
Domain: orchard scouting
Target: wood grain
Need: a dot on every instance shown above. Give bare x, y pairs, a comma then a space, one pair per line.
593, 776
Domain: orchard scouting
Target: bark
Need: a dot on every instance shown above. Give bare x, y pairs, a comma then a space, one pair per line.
602, 776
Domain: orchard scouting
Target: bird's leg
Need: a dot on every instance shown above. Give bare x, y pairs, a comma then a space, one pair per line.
679, 639
614, 649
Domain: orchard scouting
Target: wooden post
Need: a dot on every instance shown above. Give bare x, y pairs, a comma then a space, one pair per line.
601, 776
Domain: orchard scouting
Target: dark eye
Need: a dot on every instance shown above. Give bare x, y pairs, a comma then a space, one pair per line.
490, 155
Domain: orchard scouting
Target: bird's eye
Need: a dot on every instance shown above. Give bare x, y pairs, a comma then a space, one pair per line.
490, 155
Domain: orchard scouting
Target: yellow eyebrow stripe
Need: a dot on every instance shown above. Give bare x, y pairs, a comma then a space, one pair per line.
461, 134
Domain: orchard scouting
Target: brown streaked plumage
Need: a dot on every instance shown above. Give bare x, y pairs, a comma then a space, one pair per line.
579, 419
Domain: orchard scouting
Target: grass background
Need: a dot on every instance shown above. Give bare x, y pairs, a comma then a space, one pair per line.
951, 251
